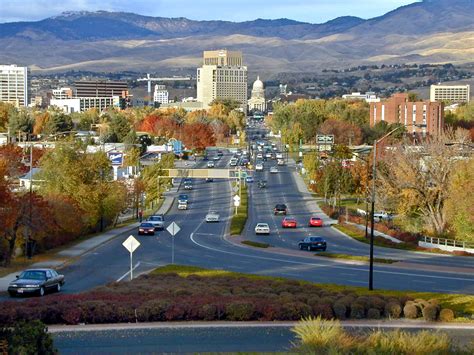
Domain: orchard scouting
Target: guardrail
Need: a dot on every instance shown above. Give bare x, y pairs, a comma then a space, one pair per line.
446, 244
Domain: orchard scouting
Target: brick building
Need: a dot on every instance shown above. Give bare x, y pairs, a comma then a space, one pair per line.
398, 109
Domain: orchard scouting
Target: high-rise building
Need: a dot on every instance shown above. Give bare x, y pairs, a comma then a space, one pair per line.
14, 85
222, 76
427, 116
454, 94
160, 95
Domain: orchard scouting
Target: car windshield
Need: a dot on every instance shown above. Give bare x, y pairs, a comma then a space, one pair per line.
316, 239
33, 275
280, 206
146, 225
262, 225
289, 219
315, 218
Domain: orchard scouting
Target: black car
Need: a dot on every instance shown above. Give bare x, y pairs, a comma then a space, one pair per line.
146, 228
280, 209
262, 184
36, 281
310, 243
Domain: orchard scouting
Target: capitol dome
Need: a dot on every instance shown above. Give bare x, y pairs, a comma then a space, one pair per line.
257, 85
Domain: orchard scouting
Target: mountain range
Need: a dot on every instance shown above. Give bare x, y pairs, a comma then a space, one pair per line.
431, 31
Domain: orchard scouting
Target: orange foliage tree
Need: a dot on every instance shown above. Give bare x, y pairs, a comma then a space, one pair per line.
198, 136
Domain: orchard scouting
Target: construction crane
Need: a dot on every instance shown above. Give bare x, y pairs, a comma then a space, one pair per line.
149, 79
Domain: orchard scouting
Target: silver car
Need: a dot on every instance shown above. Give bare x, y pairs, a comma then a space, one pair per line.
212, 216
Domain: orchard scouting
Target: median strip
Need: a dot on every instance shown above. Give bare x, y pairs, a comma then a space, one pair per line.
238, 220
255, 244
355, 257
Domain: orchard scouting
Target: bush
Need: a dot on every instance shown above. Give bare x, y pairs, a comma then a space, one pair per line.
357, 311
240, 311
373, 313
376, 302
207, 312
28, 338
410, 311
398, 342
446, 315
430, 313
323, 310
295, 311
153, 311
340, 310
393, 310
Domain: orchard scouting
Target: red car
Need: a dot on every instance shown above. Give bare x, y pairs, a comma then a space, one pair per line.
288, 222
315, 222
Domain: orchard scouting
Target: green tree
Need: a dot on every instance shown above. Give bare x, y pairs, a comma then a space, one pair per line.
28, 338
57, 122
20, 121
120, 126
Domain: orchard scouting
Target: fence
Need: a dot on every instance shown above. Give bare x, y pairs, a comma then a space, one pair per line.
446, 244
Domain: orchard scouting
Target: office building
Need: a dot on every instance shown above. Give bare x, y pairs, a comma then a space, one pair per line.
453, 94
160, 95
82, 104
14, 85
367, 97
101, 88
257, 99
397, 109
63, 93
222, 76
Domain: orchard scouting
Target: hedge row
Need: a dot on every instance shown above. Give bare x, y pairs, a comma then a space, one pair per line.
169, 297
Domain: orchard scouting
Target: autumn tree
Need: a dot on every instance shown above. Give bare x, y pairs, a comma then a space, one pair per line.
344, 132
198, 136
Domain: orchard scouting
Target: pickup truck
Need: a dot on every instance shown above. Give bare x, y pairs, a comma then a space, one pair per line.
310, 243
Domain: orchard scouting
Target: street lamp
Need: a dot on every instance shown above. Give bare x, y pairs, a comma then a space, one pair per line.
372, 219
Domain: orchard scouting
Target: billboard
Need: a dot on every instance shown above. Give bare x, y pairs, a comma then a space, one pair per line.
116, 158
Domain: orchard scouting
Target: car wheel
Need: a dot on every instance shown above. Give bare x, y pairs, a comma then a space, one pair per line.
301, 247
58, 287
41, 292
308, 248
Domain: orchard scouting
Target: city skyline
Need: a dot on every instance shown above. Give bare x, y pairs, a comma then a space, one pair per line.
316, 11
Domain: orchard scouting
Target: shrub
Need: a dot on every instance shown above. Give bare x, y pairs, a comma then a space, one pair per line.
393, 310
430, 313
153, 310
376, 302
28, 338
410, 311
398, 342
240, 311
340, 310
295, 310
446, 315
72, 315
357, 311
207, 312
373, 313
323, 310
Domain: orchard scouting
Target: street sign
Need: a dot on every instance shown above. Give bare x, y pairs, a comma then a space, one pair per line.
235, 189
325, 139
236, 198
116, 158
173, 229
236, 203
131, 244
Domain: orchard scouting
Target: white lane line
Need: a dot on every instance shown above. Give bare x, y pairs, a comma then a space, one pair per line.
331, 266
128, 272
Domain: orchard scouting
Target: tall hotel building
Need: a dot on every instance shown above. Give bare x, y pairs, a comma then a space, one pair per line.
450, 93
14, 85
222, 76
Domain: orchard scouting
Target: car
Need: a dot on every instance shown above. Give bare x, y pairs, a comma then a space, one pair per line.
233, 162
249, 179
182, 205
259, 156
279, 155
315, 222
216, 157
310, 243
262, 228
274, 170
205, 158
183, 198
220, 153
188, 184
268, 155
259, 167
208, 179
158, 221
383, 215
289, 222
262, 184
212, 216
280, 162
280, 208
146, 228
210, 164
36, 281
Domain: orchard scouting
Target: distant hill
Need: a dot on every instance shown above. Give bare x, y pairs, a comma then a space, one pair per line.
428, 31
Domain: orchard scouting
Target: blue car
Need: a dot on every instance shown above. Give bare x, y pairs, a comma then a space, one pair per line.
249, 179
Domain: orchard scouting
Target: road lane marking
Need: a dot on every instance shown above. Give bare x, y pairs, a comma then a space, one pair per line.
331, 266
127, 273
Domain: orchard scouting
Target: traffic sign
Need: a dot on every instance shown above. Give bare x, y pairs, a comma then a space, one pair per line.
235, 189
325, 139
131, 244
236, 198
236, 203
173, 229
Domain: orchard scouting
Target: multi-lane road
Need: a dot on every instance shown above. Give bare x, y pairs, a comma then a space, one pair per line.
207, 245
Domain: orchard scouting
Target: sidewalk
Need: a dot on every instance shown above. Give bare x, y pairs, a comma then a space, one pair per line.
93, 242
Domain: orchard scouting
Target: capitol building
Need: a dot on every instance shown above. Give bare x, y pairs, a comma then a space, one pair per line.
257, 100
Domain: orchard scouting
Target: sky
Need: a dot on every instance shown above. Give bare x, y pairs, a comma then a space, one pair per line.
313, 11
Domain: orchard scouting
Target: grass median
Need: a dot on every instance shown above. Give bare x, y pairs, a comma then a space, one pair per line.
355, 257
256, 244
238, 220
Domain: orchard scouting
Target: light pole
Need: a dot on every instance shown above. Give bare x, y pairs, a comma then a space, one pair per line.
372, 219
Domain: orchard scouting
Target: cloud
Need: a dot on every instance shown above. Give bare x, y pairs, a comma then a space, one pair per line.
314, 11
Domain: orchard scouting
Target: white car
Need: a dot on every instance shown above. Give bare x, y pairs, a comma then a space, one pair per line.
281, 162
259, 167
259, 156
274, 170
216, 157
279, 155
210, 164
182, 205
212, 217
262, 228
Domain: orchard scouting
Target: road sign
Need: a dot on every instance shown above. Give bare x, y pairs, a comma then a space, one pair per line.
116, 158
236, 203
173, 229
325, 139
235, 189
131, 244
236, 198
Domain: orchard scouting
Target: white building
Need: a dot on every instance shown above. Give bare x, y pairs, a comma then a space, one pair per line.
450, 93
82, 104
257, 100
222, 76
63, 93
14, 85
367, 97
161, 94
